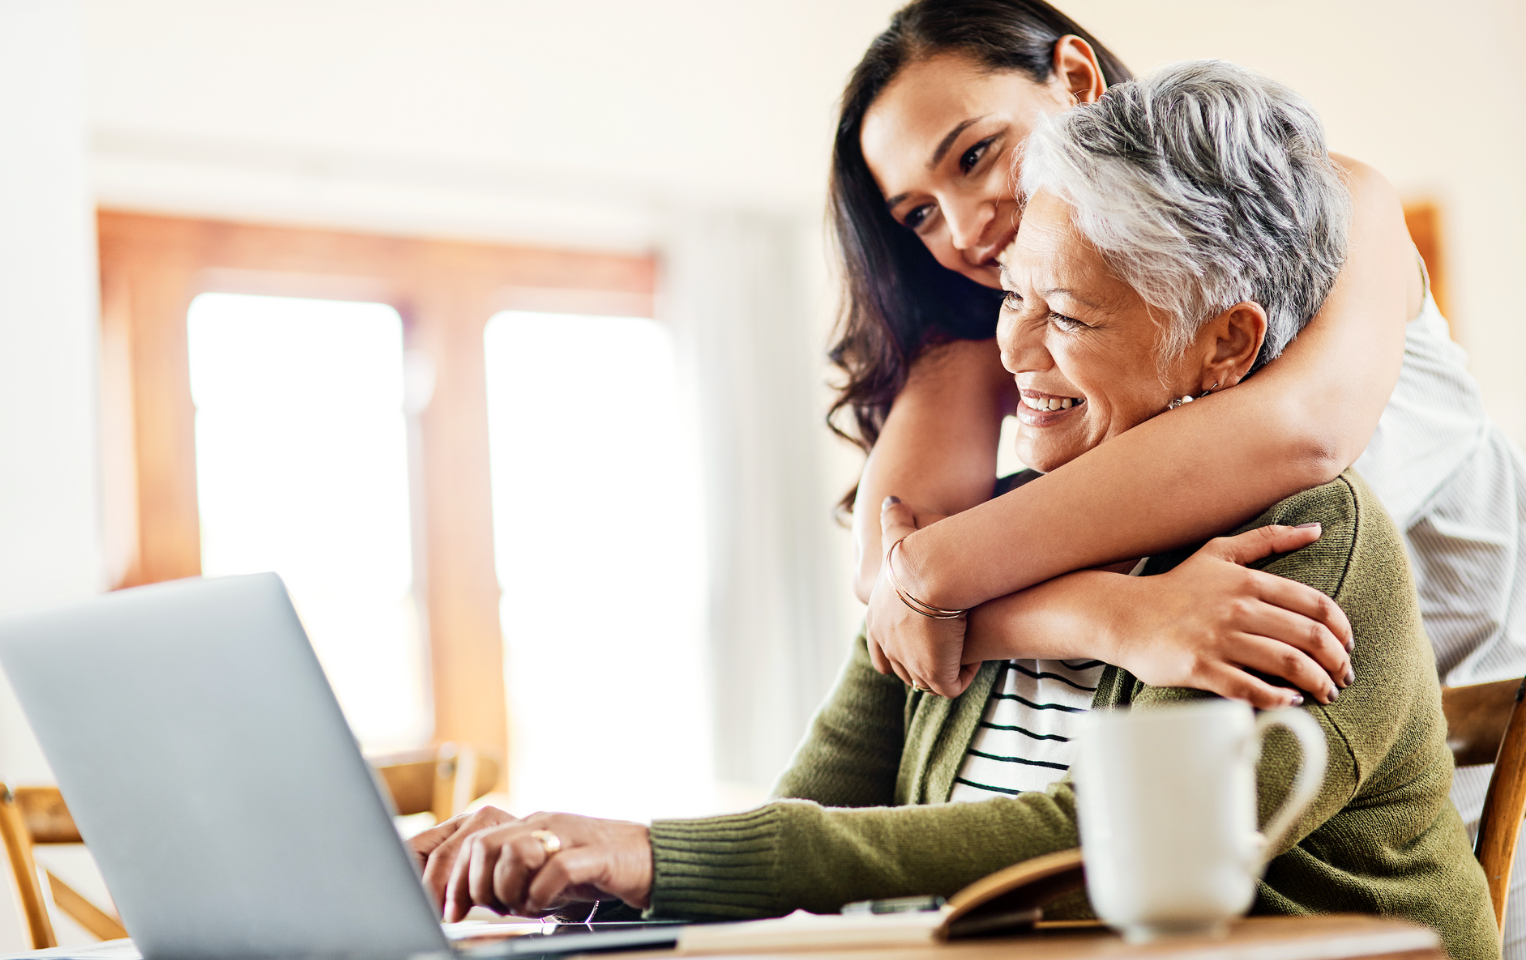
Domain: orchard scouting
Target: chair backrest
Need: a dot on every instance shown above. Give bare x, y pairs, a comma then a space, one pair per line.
441, 781
1486, 723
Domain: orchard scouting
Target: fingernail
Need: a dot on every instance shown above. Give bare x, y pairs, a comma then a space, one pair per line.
1305, 526
1351, 645
1297, 701
1334, 694
1350, 676
889, 501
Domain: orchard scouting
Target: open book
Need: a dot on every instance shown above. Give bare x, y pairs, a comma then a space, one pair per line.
1007, 900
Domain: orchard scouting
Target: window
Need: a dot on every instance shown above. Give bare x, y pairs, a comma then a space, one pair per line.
302, 468
188, 489
598, 535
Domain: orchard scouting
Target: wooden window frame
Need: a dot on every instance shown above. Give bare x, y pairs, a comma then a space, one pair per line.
152, 267
1423, 220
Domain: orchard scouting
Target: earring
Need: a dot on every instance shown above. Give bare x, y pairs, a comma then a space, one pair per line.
1189, 398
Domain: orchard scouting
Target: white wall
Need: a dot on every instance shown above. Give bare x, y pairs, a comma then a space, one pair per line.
49, 529
564, 120
48, 490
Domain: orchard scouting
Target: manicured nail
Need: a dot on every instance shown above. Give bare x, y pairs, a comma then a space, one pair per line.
1305, 526
1334, 694
1351, 644
1350, 676
889, 501
1297, 701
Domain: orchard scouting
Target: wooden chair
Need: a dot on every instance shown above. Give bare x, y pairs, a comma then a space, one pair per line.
441, 782
1486, 724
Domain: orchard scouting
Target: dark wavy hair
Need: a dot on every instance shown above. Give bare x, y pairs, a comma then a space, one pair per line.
899, 299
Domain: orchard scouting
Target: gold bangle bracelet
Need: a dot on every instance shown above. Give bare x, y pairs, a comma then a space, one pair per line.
917, 606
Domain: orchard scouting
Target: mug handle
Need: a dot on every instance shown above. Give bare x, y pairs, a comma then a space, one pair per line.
1311, 770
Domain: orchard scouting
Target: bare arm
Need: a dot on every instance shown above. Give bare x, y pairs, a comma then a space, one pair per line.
1203, 625
937, 451
1205, 468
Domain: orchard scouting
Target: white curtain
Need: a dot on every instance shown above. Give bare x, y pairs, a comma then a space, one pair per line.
736, 288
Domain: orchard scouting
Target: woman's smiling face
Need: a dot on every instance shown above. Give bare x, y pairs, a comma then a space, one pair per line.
939, 141
1079, 340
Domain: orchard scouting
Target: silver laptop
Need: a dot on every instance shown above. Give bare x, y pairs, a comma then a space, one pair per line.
214, 779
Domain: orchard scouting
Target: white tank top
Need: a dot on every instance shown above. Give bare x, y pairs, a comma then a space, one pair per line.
1456, 486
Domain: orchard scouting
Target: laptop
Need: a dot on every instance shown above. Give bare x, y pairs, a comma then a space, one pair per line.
215, 781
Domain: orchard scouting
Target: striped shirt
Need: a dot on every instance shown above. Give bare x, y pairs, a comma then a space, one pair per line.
1024, 741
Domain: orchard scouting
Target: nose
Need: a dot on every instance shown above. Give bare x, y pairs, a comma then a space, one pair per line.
968, 223
1021, 343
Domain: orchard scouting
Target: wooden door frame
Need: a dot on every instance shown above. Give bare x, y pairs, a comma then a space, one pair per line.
152, 267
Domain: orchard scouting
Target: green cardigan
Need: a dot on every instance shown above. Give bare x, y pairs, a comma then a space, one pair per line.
865, 814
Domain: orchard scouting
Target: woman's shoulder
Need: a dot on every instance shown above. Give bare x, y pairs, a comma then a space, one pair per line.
1357, 538
1352, 523
1338, 508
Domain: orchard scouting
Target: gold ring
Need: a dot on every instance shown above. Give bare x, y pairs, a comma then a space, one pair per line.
548, 840
921, 689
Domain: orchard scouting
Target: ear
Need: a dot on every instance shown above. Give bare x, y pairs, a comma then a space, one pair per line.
1229, 343
1076, 69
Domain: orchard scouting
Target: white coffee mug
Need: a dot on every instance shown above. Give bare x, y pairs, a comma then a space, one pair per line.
1167, 805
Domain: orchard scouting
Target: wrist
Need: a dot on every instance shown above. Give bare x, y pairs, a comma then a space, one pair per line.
916, 571
1110, 617
637, 890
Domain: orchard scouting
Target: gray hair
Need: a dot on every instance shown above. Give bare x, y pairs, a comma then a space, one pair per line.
1204, 185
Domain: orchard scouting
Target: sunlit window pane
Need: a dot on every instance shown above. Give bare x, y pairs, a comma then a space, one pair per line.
597, 517
302, 468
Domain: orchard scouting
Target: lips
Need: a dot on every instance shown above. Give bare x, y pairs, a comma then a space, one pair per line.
1039, 409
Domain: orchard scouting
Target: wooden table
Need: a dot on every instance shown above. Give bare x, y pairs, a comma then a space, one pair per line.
1342, 937
1346, 937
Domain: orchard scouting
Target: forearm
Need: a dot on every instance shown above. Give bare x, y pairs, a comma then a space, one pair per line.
1208, 466
937, 451
1067, 618
793, 855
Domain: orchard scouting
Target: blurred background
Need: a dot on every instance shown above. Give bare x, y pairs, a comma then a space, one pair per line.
498, 328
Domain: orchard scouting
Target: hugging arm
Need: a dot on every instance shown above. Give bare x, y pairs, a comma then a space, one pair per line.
1170, 481
937, 450
1203, 625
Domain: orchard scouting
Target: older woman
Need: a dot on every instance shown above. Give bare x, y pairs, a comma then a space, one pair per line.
1177, 235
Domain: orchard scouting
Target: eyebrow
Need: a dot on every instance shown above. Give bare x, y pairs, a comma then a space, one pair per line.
938, 155
948, 141
1072, 295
